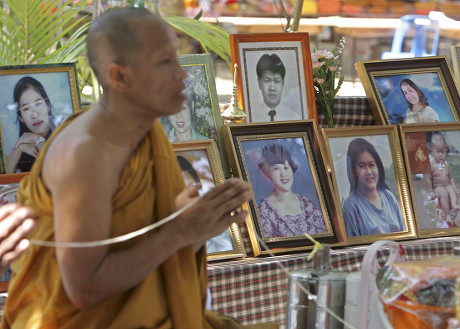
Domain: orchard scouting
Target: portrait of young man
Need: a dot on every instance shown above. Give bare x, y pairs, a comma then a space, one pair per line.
273, 86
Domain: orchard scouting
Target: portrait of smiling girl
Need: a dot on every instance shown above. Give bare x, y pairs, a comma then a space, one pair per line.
283, 212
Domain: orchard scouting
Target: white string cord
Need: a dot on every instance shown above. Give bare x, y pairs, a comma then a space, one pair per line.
165, 220
117, 239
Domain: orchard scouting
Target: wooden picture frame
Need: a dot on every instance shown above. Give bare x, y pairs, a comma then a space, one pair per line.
431, 152
9, 186
200, 163
287, 84
393, 86
50, 92
369, 179
256, 151
455, 54
200, 117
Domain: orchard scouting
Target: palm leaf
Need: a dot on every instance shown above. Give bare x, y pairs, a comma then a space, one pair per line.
36, 32
211, 37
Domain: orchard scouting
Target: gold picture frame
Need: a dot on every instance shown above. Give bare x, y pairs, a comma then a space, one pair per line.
292, 193
200, 164
9, 186
204, 120
57, 97
287, 57
455, 54
369, 180
411, 90
431, 153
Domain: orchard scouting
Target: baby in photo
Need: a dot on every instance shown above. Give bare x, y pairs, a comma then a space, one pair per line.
440, 182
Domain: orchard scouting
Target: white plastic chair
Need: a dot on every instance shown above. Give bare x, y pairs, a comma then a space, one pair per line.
422, 30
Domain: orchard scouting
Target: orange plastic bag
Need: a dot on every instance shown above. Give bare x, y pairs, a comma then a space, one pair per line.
404, 315
420, 294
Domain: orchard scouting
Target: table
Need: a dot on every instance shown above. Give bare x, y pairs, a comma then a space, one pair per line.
263, 24
254, 290
349, 111
353, 29
350, 26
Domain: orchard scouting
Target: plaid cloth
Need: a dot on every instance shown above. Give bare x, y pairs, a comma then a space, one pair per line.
349, 111
255, 290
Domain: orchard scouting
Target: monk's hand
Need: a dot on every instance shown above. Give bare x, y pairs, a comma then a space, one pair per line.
214, 212
16, 223
189, 194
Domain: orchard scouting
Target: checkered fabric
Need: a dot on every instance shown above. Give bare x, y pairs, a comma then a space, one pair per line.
349, 111
255, 290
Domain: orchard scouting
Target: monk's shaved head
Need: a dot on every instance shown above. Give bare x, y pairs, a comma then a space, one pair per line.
116, 37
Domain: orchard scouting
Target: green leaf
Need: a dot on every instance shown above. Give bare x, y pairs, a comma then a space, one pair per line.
210, 36
198, 16
37, 32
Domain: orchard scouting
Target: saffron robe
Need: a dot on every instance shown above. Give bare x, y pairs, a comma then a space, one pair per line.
172, 296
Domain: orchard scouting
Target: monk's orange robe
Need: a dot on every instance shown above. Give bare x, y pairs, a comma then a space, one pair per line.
172, 296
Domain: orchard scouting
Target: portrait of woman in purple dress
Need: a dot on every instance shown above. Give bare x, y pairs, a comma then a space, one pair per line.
283, 212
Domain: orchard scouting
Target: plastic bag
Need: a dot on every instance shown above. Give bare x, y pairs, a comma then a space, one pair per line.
420, 294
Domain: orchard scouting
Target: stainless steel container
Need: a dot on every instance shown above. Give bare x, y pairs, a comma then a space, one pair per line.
331, 294
328, 286
301, 310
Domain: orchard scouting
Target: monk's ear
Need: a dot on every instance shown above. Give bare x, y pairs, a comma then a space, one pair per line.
119, 76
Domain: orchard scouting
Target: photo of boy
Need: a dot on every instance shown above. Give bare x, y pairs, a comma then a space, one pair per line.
440, 182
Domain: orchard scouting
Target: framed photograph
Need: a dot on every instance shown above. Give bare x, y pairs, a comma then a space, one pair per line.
9, 186
274, 76
290, 184
432, 155
369, 180
414, 90
455, 54
36, 99
200, 116
200, 164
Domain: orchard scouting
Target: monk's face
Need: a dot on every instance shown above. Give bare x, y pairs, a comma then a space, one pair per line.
158, 78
